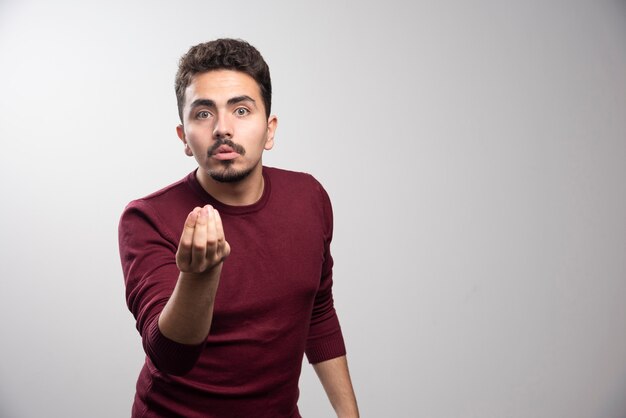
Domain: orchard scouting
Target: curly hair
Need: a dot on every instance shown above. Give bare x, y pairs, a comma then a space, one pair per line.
226, 54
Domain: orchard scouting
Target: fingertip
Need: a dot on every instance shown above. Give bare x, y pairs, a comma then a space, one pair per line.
193, 217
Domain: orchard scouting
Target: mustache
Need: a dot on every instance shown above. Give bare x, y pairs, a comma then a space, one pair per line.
218, 143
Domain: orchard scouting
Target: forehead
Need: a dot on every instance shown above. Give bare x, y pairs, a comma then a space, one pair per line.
220, 85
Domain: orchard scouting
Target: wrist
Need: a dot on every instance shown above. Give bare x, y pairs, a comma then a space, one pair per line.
351, 412
212, 273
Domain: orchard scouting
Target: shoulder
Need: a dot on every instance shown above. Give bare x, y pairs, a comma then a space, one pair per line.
301, 191
292, 180
164, 198
162, 209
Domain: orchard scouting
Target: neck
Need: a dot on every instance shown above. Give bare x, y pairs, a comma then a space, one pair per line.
242, 193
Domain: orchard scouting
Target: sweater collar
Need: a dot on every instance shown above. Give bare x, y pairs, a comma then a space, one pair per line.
223, 208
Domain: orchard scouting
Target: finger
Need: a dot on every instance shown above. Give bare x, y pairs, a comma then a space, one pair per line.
211, 233
183, 255
219, 227
224, 248
198, 247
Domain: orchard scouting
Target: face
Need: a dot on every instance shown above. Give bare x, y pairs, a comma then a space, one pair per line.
224, 125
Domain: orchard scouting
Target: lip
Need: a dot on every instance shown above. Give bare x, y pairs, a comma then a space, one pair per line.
225, 152
224, 149
226, 155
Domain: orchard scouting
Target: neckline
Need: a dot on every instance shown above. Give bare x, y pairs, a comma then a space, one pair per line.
223, 208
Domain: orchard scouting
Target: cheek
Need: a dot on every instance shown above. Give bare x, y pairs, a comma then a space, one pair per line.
196, 144
194, 137
254, 134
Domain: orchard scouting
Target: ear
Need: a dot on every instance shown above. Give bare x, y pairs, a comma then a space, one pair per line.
272, 124
180, 131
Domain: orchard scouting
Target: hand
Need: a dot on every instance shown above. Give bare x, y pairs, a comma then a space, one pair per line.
202, 245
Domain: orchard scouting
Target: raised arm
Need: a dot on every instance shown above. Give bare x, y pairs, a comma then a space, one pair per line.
186, 317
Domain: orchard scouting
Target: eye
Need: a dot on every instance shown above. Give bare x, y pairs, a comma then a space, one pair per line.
203, 115
241, 111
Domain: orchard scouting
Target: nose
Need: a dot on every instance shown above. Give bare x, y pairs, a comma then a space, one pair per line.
223, 127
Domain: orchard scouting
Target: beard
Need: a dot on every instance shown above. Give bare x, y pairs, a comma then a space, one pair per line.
227, 174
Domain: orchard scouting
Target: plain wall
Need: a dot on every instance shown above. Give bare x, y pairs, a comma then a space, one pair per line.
475, 154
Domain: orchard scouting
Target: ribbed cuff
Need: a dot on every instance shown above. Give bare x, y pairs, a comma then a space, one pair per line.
326, 348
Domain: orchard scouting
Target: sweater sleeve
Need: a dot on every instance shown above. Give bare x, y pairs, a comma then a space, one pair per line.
325, 340
148, 256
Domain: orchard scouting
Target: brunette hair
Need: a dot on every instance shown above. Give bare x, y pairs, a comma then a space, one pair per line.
227, 54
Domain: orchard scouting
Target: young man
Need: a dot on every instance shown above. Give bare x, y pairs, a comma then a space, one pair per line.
228, 271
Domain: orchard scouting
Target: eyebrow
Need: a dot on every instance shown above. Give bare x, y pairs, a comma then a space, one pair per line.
230, 102
239, 99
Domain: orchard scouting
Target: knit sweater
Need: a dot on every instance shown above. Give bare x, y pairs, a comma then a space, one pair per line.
273, 304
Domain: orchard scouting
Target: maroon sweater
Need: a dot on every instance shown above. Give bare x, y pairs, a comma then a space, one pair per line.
274, 302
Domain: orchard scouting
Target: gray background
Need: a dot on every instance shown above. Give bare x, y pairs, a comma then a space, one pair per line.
475, 153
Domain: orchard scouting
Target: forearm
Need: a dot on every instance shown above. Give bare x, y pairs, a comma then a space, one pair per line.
335, 379
187, 316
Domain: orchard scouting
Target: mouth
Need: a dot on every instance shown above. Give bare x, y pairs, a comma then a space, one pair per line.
225, 152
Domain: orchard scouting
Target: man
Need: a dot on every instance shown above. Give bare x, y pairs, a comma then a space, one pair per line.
228, 271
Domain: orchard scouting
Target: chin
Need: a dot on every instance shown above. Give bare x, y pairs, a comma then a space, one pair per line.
229, 174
